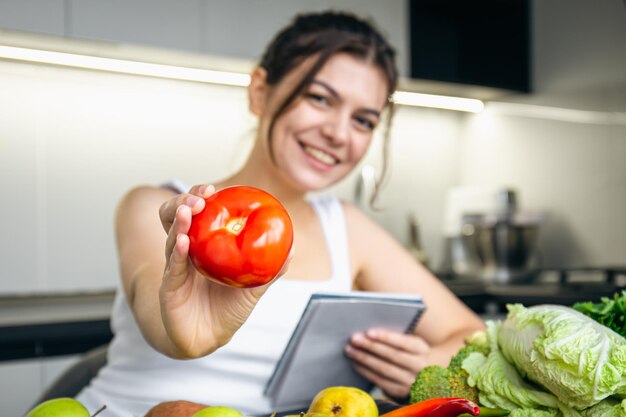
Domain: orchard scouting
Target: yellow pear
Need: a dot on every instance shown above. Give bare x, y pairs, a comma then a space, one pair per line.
344, 402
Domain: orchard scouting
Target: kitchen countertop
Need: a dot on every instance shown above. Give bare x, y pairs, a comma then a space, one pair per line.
41, 325
38, 308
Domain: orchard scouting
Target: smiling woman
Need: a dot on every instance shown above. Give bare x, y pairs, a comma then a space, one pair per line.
319, 93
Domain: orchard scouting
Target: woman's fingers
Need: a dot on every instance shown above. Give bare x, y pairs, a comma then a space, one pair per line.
181, 224
390, 387
176, 271
202, 190
380, 371
380, 365
194, 200
400, 341
176, 215
390, 353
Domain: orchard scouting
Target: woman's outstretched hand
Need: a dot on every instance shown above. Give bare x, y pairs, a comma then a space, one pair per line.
199, 315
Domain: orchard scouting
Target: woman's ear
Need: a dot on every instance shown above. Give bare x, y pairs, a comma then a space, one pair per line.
257, 91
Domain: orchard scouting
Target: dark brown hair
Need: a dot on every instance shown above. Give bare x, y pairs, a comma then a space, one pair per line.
325, 34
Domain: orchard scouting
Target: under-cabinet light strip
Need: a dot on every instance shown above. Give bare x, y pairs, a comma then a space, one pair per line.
440, 102
124, 66
204, 75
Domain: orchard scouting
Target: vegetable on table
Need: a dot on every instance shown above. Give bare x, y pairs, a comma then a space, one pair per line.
610, 312
541, 361
577, 359
438, 382
436, 407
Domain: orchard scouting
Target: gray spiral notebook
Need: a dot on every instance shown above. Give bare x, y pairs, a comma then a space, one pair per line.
314, 356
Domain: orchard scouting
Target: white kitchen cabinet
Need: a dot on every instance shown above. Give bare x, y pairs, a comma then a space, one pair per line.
42, 16
242, 28
22, 381
234, 28
163, 23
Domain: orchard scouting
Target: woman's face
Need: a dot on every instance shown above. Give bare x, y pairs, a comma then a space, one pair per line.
324, 134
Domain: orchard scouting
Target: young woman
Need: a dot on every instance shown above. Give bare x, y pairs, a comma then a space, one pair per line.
321, 89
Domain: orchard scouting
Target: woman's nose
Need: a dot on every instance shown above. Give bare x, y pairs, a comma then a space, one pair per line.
337, 129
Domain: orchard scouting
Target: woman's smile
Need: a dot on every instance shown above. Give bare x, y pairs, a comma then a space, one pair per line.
318, 158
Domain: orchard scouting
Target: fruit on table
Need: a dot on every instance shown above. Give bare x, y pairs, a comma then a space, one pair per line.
59, 407
218, 411
241, 238
175, 409
342, 401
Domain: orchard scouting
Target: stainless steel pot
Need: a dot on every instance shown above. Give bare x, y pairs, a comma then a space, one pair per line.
503, 247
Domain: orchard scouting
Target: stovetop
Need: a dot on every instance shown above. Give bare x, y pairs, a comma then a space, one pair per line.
564, 286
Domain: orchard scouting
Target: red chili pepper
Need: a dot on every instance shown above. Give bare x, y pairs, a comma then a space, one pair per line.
453, 408
436, 407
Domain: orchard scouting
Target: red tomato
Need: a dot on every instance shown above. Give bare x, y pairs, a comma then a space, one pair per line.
241, 238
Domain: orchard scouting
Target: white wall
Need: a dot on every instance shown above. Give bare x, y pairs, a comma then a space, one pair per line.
74, 141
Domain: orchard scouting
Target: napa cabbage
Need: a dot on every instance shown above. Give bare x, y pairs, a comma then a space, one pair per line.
500, 384
577, 359
606, 408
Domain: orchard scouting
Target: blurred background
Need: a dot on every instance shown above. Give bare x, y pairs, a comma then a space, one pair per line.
542, 164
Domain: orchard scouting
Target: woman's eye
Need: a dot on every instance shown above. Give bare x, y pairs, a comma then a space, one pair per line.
365, 122
317, 98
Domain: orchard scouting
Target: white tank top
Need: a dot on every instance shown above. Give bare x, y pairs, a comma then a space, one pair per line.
137, 377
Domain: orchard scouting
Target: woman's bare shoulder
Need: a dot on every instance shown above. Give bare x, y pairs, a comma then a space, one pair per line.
142, 196
358, 222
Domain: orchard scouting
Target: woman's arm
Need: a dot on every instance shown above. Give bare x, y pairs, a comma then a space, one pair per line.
390, 359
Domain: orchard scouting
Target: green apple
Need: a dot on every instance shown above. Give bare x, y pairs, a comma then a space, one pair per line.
217, 411
59, 407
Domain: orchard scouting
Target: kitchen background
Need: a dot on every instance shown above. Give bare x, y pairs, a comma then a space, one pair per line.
73, 141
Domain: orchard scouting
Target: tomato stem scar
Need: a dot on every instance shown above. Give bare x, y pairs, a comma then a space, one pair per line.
235, 226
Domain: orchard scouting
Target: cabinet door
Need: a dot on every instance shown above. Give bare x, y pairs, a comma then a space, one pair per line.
19, 386
23, 381
162, 23
43, 16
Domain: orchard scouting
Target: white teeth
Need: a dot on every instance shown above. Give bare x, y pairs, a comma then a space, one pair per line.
321, 156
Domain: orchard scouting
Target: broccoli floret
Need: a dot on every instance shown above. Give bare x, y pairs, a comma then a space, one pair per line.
432, 382
456, 363
439, 382
459, 387
458, 376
